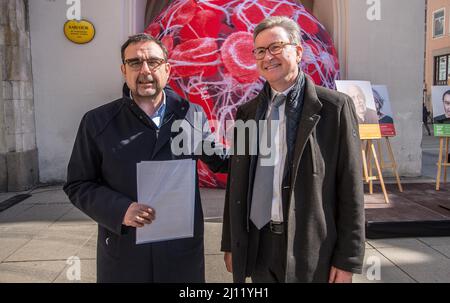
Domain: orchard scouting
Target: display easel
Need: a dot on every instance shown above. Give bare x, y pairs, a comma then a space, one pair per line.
368, 151
445, 164
392, 164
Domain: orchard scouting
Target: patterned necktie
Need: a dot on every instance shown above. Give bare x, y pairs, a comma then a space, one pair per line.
261, 208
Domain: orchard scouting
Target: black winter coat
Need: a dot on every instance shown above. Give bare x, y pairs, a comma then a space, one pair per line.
323, 202
101, 182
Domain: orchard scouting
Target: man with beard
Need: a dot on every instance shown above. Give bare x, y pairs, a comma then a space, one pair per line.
101, 177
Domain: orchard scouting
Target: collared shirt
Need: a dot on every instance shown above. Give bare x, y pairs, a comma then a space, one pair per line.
280, 158
158, 115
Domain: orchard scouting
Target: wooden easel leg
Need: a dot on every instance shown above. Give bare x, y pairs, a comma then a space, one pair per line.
380, 154
446, 159
441, 147
364, 158
380, 175
369, 165
394, 164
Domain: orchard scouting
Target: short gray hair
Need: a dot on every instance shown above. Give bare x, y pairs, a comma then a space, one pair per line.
289, 25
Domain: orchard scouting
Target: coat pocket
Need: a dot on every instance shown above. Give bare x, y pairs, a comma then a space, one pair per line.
313, 155
317, 160
109, 243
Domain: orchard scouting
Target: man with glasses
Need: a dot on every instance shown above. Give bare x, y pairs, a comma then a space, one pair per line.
101, 177
299, 218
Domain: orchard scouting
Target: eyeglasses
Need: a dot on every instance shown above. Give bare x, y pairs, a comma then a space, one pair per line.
274, 49
137, 63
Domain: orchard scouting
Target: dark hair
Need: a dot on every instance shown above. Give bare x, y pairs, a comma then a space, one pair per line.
142, 38
446, 93
379, 101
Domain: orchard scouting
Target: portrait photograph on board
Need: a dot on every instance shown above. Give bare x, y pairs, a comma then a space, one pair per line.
384, 110
440, 96
362, 96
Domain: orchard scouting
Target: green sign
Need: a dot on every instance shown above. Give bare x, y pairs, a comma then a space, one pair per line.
442, 130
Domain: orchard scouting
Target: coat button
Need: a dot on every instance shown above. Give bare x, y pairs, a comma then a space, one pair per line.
107, 241
238, 202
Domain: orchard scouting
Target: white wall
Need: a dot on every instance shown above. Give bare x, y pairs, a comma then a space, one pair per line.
70, 79
391, 52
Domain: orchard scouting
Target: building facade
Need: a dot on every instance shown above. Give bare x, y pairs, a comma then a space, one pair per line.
18, 149
58, 81
437, 57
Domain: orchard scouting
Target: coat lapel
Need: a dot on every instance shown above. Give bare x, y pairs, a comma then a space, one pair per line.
261, 109
259, 115
308, 120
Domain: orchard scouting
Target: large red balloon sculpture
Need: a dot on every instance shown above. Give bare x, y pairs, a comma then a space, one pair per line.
210, 45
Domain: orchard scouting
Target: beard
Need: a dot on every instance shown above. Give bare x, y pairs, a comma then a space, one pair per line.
147, 86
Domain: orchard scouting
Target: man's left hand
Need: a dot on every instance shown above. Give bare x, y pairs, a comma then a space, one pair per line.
339, 276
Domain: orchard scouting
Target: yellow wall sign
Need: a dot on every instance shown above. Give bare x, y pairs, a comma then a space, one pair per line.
79, 32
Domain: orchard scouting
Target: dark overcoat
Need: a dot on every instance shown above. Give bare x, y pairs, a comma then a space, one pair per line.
101, 182
323, 198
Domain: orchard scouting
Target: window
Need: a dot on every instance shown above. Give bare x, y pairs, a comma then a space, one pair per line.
442, 70
438, 23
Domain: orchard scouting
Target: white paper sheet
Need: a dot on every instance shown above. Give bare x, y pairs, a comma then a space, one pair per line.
169, 188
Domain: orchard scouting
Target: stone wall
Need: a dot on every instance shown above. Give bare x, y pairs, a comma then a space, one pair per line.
18, 152
390, 52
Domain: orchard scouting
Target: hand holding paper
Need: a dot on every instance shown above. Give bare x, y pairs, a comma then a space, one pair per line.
138, 214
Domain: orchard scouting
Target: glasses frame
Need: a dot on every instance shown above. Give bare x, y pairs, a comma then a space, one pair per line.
282, 44
160, 61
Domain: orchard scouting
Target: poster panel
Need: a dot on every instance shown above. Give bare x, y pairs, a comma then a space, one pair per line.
362, 96
440, 96
384, 110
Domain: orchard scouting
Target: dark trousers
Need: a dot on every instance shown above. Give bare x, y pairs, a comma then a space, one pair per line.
270, 264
